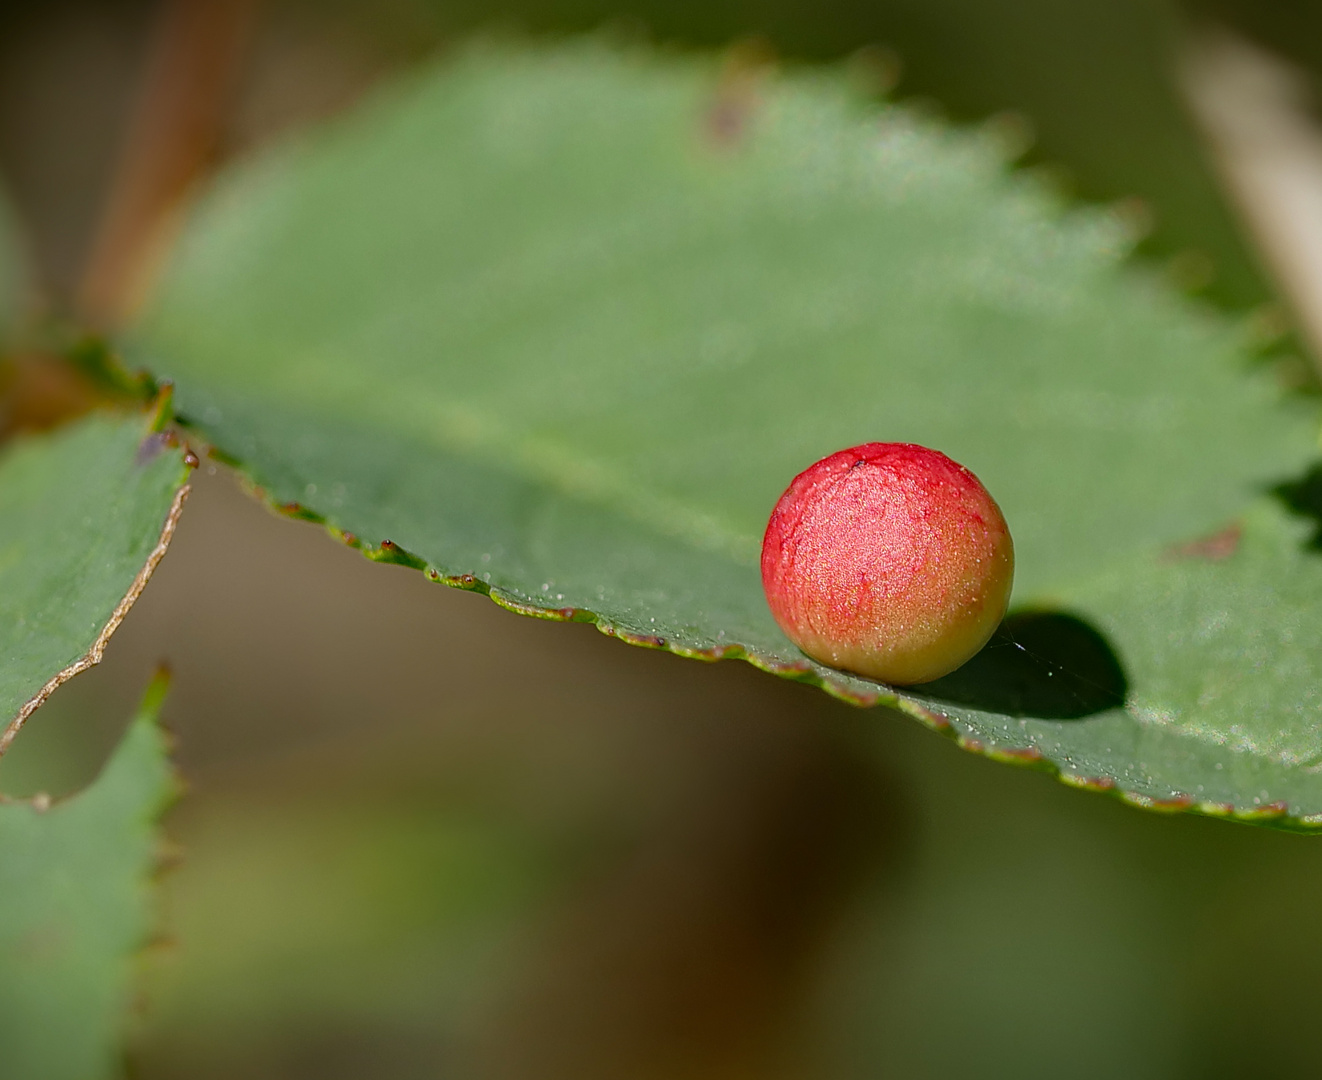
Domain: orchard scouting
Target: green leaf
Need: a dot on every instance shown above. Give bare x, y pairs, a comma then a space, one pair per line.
74, 908
561, 325
87, 512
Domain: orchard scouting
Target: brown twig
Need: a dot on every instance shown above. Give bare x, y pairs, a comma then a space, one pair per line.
1256, 117
173, 136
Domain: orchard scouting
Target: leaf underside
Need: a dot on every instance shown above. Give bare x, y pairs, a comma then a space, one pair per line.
74, 908
87, 512
560, 325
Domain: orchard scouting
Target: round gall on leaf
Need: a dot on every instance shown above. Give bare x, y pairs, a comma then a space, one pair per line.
888, 560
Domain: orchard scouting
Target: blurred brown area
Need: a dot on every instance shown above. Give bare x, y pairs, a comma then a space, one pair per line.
74, 105
425, 837
39, 392
1093, 81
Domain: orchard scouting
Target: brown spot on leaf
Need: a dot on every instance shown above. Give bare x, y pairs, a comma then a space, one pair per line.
150, 448
737, 94
1220, 545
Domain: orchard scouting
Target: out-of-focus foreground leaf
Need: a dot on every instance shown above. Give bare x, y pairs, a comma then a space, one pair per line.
87, 513
561, 325
74, 908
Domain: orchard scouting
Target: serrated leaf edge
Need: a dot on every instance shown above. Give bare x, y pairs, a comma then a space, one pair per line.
162, 858
1272, 814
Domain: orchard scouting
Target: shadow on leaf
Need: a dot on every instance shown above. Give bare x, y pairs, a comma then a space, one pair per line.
1304, 497
1042, 664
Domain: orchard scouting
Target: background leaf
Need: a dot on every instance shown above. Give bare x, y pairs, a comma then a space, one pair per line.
73, 908
561, 325
87, 513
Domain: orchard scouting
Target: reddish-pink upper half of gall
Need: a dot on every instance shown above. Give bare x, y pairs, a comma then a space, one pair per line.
889, 560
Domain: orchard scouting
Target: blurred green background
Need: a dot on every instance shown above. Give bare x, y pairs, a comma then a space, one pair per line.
427, 838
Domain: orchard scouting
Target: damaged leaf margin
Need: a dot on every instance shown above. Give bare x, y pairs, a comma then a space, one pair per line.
91, 510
